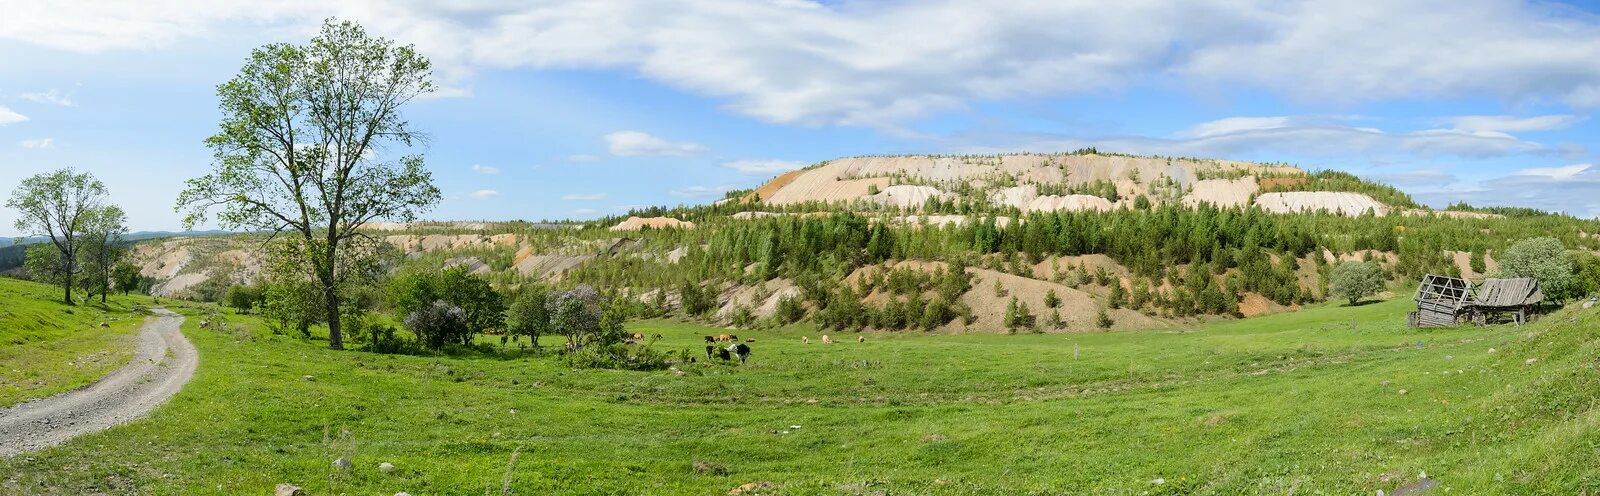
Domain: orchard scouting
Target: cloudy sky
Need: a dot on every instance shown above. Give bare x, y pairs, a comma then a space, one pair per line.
560, 109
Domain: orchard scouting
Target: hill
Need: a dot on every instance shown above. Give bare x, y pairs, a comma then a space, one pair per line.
949, 242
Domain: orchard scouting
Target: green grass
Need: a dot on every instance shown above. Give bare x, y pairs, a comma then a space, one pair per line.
1306, 402
47, 347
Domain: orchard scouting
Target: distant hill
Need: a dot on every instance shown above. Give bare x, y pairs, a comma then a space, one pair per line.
14, 250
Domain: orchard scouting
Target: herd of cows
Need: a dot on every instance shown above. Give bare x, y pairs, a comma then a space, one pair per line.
735, 348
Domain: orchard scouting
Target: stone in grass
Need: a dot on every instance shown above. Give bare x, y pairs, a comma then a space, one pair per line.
342, 464
1530, 361
752, 488
385, 467
310, 378
287, 489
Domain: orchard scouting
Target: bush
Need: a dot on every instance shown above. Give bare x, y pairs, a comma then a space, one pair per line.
696, 301
619, 357
243, 298
1103, 319
1356, 280
1543, 259
790, 310
1051, 300
438, 323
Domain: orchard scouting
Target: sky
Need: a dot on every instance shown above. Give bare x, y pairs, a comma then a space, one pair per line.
579, 109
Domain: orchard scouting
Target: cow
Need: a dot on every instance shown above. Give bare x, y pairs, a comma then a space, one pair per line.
724, 354
709, 349
742, 350
637, 336
826, 339
861, 339
750, 340
728, 337
710, 339
805, 340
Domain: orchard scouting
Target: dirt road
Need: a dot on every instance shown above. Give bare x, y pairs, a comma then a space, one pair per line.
163, 362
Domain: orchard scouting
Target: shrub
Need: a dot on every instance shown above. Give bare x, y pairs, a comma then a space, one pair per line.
620, 357
1356, 280
243, 298
1103, 319
1051, 300
438, 323
790, 310
1543, 259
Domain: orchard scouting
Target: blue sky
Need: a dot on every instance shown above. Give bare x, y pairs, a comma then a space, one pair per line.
580, 109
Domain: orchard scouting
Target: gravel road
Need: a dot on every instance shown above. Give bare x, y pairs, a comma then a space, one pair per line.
163, 362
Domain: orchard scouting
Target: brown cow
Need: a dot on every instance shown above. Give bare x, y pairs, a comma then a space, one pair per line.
710, 339
727, 337
861, 339
826, 339
637, 335
805, 340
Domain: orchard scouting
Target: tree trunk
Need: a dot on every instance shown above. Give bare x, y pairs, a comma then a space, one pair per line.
68, 288
335, 338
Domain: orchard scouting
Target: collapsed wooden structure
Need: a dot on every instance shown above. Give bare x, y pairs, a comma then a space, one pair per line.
1444, 301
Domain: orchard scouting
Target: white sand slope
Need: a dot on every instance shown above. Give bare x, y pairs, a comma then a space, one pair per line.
1342, 203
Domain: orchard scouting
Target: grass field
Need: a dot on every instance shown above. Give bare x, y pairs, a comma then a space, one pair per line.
1295, 403
47, 347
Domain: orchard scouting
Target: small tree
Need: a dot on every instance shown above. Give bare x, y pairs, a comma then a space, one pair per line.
103, 249
1051, 300
527, 315
576, 314
696, 301
243, 298
438, 323
1103, 319
59, 205
485, 308
127, 278
1540, 258
1356, 280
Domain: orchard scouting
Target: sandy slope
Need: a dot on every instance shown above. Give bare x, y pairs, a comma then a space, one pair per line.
163, 362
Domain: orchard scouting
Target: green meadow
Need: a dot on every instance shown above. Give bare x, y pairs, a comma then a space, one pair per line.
1332, 399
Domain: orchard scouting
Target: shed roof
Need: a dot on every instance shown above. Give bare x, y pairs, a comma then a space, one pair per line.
1509, 292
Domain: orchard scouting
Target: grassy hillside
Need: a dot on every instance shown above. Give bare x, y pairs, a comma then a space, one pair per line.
47, 347
1335, 399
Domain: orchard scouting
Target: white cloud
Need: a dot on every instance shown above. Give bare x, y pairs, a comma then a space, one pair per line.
763, 167
583, 211
1566, 172
1505, 123
700, 191
880, 64
582, 157
7, 116
1300, 135
484, 194
635, 144
584, 197
38, 143
52, 97
485, 170
1574, 189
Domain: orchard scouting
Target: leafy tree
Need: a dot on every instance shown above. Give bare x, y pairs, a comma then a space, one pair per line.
527, 315
60, 205
696, 301
293, 302
43, 263
484, 307
438, 323
1543, 259
297, 149
103, 248
244, 298
577, 314
1356, 280
127, 278
790, 310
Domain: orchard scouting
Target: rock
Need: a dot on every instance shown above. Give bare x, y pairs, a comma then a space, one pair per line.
1402, 391
385, 467
1422, 485
311, 378
287, 489
1491, 350
752, 488
1530, 361
342, 464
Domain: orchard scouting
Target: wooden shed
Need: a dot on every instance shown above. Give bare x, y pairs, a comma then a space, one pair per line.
1513, 300
1441, 301
1444, 301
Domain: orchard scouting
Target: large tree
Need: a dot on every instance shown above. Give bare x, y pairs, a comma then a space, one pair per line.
312, 143
1356, 280
59, 205
1544, 259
